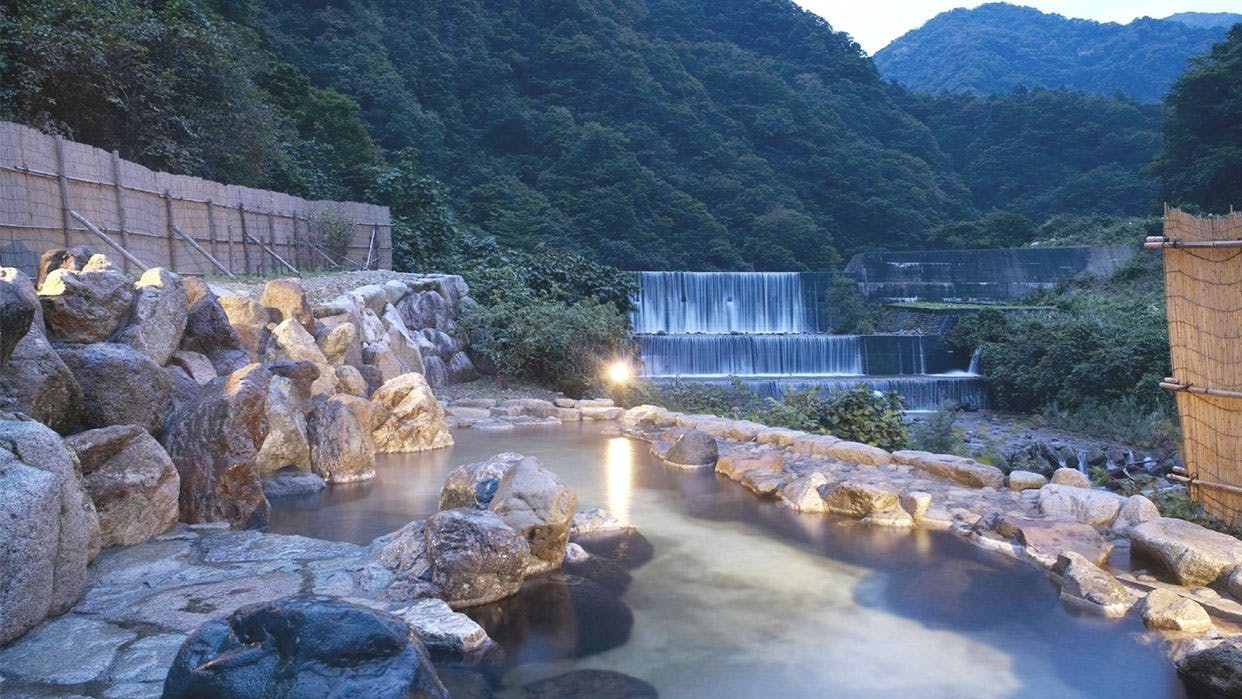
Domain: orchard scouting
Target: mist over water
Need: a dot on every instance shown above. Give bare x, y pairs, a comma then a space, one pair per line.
745, 598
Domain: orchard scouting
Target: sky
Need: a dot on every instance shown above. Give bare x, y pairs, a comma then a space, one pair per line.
874, 23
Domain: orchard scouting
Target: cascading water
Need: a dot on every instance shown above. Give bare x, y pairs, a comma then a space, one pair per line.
758, 327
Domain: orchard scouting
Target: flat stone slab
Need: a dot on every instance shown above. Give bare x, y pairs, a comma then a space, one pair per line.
242, 546
1192, 554
70, 650
187, 608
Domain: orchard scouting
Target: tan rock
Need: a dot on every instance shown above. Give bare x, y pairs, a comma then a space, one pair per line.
735, 465
349, 380
855, 499
288, 299
88, 305
805, 493
1086, 586
1071, 477
286, 441
195, 365
778, 436
1026, 480
1166, 610
1073, 503
1134, 511
289, 340
250, 320
341, 448
131, 480
158, 315
916, 503
764, 482
415, 420
954, 468
336, 343
1192, 554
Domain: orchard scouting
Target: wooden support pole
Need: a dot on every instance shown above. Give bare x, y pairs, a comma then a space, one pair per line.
245, 241
107, 239
211, 258
271, 236
64, 186
1171, 385
212, 235
119, 195
168, 230
1167, 243
371, 246
278, 258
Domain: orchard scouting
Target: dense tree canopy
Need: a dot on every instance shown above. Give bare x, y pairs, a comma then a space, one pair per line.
1200, 163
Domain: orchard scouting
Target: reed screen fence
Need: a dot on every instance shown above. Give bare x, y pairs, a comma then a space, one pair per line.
1203, 287
56, 193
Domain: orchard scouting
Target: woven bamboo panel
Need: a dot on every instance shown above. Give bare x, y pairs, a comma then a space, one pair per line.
1204, 293
43, 178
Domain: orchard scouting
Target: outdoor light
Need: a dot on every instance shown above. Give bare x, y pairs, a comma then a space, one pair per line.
619, 371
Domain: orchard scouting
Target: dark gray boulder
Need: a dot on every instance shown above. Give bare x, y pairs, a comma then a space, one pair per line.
1214, 673
73, 259
86, 305
158, 315
695, 449
598, 684
120, 385
18, 307
303, 646
34, 380
475, 557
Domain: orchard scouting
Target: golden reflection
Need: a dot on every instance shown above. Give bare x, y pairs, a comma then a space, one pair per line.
620, 467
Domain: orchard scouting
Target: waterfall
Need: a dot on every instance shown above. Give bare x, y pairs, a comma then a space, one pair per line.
720, 302
974, 360
759, 328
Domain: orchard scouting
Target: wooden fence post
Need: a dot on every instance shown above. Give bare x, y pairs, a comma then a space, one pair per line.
119, 193
211, 233
168, 231
64, 186
271, 237
245, 241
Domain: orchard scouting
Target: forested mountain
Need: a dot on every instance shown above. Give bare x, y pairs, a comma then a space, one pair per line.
688, 134
1206, 19
995, 47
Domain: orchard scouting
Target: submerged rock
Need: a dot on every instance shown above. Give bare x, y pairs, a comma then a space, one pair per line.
303, 646
599, 684
540, 507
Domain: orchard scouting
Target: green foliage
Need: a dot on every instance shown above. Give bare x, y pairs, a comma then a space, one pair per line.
1124, 420
1176, 502
1200, 164
1039, 154
332, 230
557, 344
938, 432
995, 47
851, 313
860, 414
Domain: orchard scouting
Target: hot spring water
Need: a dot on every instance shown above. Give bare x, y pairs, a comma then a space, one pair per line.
761, 328
745, 598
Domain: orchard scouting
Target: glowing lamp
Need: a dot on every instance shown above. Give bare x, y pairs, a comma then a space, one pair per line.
619, 372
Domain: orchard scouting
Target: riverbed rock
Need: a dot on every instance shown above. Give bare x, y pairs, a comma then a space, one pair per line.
540, 507
49, 531
414, 419
250, 320
1166, 610
120, 385
600, 684
131, 481
475, 557
35, 381
291, 341
1077, 504
954, 468
341, 447
18, 307
286, 443
288, 299
1072, 477
87, 305
207, 329
1192, 554
694, 449
1086, 586
858, 500
1026, 480
736, 464
303, 646
1215, 672
158, 315
213, 444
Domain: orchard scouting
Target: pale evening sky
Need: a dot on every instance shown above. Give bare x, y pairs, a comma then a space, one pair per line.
874, 23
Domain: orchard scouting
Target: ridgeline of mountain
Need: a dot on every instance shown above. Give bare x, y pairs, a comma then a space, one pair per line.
996, 47
1206, 19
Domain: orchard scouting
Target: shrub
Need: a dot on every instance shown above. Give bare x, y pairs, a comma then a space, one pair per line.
863, 415
938, 432
558, 344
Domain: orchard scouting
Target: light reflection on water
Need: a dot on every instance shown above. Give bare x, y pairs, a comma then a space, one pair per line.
747, 599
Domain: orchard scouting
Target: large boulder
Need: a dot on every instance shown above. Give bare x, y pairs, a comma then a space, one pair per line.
158, 315
414, 419
1087, 587
87, 305
120, 385
19, 305
303, 646
207, 329
250, 321
1168, 610
339, 343
537, 504
131, 481
475, 557
49, 531
213, 443
289, 340
341, 447
286, 443
858, 500
74, 259
806, 493
1192, 554
694, 449
475, 484
954, 468
288, 299
461, 369
1215, 672
35, 380
1087, 505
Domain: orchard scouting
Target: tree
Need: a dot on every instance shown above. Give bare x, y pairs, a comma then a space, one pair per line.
1200, 164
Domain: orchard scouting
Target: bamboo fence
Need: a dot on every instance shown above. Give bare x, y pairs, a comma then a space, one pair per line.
57, 194
1203, 285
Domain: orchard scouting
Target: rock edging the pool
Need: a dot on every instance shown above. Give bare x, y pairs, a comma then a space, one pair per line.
1065, 526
